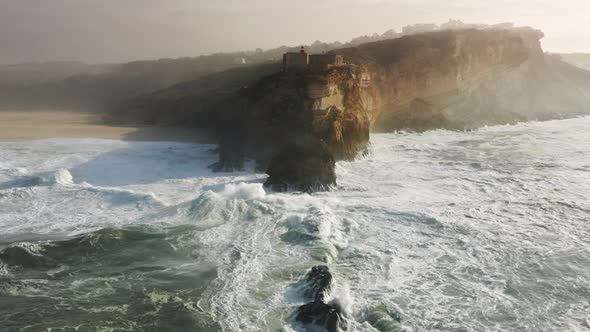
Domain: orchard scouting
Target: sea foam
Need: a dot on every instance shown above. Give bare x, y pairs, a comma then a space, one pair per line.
246, 191
63, 177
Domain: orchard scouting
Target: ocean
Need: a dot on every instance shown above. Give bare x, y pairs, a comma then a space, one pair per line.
483, 230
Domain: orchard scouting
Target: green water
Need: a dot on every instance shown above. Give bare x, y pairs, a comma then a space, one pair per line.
114, 279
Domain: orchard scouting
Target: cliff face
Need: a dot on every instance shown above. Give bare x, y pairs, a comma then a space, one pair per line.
301, 109
464, 79
296, 124
450, 79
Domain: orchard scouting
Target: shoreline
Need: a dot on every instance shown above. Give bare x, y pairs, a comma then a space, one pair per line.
48, 124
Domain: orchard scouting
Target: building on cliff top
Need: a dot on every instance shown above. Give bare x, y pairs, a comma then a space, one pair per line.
321, 62
295, 60
300, 61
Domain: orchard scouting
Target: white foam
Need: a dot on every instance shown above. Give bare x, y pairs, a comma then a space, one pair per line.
4, 270
343, 297
63, 177
246, 191
101, 183
35, 249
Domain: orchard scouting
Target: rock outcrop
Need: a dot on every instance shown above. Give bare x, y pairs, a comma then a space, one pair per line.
465, 79
319, 312
318, 283
296, 125
458, 79
450, 79
306, 167
307, 107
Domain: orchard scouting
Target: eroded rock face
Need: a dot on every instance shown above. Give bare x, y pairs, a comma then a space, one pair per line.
296, 125
231, 155
302, 167
464, 79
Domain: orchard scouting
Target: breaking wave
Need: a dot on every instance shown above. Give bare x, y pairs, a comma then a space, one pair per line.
63, 177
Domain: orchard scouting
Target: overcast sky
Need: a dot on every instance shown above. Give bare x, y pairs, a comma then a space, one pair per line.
98, 31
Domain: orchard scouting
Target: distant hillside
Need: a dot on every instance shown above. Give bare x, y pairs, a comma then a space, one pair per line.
43, 72
194, 103
581, 60
422, 68
102, 88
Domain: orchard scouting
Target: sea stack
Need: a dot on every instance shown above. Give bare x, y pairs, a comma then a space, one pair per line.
323, 105
302, 167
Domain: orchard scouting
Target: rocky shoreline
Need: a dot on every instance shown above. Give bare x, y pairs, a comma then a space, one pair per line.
455, 80
295, 122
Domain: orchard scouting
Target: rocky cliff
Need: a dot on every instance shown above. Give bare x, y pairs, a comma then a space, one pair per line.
296, 124
448, 79
451, 79
300, 107
465, 79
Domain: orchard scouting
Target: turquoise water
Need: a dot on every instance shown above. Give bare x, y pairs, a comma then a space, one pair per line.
451, 231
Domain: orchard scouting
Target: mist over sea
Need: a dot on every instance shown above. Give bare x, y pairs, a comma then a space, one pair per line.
486, 230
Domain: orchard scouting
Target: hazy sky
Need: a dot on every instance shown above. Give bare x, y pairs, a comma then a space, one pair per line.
121, 30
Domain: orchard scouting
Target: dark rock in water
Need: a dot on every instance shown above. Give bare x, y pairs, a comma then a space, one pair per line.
321, 314
304, 167
231, 155
319, 283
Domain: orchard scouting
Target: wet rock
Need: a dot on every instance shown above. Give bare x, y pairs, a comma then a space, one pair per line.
231, 155
302, 167
319, 283
321, 314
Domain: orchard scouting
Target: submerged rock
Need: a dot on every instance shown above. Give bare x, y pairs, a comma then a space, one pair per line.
384, 320
309, 167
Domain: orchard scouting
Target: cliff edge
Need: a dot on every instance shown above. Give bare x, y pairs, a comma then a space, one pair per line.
451, 79
458, 79
465, 79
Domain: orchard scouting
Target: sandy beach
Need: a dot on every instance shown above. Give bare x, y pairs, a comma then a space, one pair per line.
32, 125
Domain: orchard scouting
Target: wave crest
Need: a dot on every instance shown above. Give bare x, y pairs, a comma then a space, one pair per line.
63, 177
